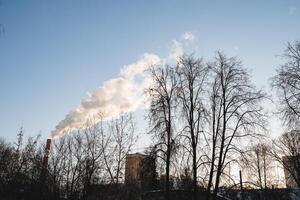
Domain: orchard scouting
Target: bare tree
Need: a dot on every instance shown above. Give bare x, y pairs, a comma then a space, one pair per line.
94, 157
74, 165
287, 83
192, 75
78, 161
84, 158
286, 150
20, 165
257, 162
57, 164
235, 113
120, 138
162, 113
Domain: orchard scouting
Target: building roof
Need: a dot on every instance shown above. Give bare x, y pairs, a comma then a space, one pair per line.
135, 155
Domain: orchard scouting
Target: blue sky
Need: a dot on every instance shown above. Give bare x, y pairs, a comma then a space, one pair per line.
53, 52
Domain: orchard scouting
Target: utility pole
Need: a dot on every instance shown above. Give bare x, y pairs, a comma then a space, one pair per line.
241, 185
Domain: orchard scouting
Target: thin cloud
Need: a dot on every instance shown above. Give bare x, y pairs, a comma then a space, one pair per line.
188, 36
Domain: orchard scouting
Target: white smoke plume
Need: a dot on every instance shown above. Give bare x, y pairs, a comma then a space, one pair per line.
176, 51
188, 36
119, 95
116, 96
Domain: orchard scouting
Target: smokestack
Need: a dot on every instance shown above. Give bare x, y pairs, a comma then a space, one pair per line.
43, 174
47, 152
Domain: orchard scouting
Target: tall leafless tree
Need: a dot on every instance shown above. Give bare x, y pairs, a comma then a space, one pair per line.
192, 75
236, 113
287, 83
162, 113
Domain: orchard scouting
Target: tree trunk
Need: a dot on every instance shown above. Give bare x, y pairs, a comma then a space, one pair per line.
167, 186
195, 172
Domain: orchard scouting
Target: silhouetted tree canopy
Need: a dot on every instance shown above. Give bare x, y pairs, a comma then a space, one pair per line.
287, 83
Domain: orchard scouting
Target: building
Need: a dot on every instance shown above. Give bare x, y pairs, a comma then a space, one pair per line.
291, 167
140, 170
133, 168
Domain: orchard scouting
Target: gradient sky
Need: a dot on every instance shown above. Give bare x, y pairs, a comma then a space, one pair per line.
53, 52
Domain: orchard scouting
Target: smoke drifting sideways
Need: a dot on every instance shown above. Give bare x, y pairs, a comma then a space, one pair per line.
117, 96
